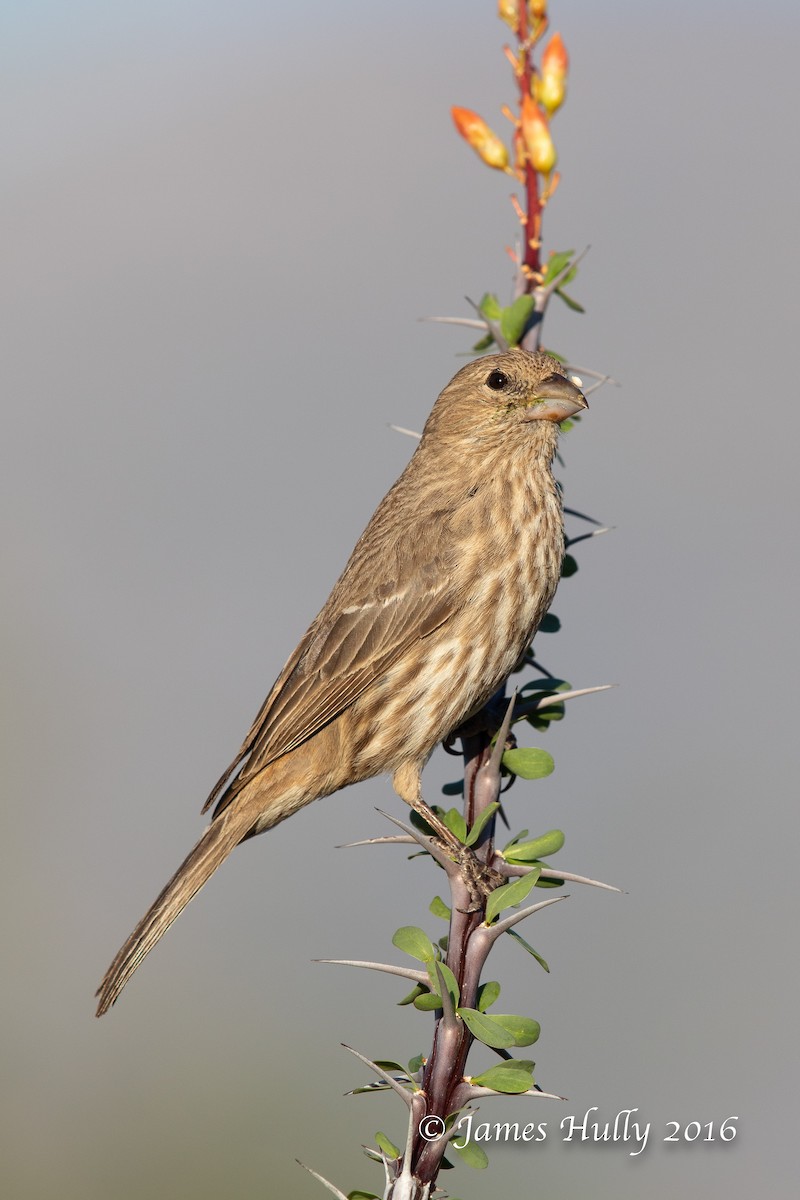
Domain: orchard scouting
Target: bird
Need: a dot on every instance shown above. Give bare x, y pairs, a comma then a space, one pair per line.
438, 602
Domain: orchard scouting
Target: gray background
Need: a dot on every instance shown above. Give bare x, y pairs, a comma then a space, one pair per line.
221, 225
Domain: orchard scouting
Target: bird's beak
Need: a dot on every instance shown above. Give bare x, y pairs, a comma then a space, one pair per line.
555, 399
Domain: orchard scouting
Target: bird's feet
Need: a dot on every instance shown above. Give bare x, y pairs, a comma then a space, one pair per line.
480, 879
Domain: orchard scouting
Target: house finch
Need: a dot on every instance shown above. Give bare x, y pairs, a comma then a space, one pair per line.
441, 596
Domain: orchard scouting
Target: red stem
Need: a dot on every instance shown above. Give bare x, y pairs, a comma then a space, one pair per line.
531, 263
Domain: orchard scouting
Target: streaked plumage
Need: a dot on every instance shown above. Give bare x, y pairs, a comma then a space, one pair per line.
440, 597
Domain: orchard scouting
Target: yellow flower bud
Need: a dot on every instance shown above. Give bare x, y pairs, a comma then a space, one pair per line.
551, 87
486, 144
537, 9
539, 147
508, 11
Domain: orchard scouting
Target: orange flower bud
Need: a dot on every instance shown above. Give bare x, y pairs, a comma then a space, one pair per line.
537, 9
486, 144
551, 87
508, 11
539, 148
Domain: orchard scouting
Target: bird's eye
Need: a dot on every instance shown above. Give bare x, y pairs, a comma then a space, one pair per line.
496, 380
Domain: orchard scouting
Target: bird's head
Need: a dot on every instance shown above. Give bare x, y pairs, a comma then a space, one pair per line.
495, 395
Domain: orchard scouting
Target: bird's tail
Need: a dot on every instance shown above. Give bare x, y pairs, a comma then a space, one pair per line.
216, 844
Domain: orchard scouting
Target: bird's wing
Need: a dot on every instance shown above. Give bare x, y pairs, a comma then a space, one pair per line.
344, 651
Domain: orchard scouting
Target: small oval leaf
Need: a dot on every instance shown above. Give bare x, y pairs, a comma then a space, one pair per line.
454, 820
389, 1149
529, 763
549, 843
481, 823
524, 1030
512, 1077
527, 946
487, 994
511, 894
471, 1155
414, 941
486, 1029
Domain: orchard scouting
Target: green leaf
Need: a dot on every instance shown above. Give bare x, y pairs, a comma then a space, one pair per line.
438, 907
428, 1002
453, 789
416, 1064
454, 820
570, 303
529, 763
546, 684
417, 990
389, 1065
524, 1030
548, 843
549, 623
481, 823
549, 883
512, 1077
490, 306
388, 1148
487, 994
569, 566
415, 942
518, 837
471, 1155
510, 894
359, 1195
514, 319
441, 969
484, 344
556, 263
486, 1029
553, 712
527, 946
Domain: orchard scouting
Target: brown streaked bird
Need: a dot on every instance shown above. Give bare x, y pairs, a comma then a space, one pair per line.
443, 592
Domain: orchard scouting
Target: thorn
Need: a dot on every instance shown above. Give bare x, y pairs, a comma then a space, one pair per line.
325, 1182
412, 433
556, 697
494, 931
594, 533
492, 326
392, 1082
387, 968
549, 873
427, 843
588, 391
513, 870
470, 322
474, 1093
491, 769
377, 841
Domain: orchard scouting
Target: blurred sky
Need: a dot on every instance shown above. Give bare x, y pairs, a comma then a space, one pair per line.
221, 224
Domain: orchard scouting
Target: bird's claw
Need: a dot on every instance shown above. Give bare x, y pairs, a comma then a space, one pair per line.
481, 880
